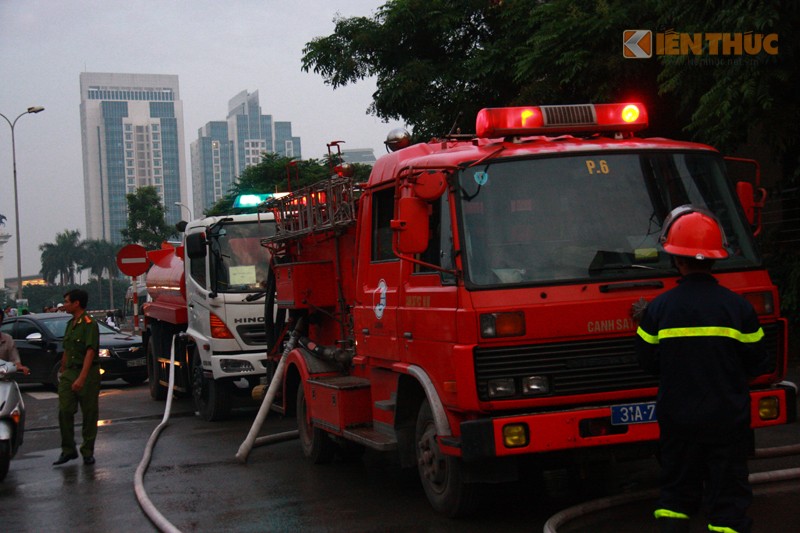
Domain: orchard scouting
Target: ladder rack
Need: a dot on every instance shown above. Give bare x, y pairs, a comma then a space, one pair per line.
324, 206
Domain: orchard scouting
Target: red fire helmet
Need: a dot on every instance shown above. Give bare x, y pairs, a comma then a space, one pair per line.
689, 231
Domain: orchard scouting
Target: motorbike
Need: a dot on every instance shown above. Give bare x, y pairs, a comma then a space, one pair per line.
12, 417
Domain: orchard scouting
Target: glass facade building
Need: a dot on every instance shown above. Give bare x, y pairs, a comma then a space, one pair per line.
132, 136
218, 156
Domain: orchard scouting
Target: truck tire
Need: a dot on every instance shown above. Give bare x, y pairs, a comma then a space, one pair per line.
442, 475
158, 392
317, 445
212, 399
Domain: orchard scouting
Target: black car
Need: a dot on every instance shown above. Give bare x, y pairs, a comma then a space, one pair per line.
39, 341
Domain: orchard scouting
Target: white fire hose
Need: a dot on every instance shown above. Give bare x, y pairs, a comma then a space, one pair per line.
274, 385
147, 506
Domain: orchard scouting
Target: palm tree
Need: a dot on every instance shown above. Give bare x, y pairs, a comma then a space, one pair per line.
99, 256
61, 257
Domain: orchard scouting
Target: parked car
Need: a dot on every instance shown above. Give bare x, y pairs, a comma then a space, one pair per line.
39, 341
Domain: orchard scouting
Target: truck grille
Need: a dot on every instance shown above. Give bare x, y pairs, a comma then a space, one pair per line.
252, 334
581, 367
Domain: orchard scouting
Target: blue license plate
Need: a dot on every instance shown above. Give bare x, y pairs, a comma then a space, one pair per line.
633, 413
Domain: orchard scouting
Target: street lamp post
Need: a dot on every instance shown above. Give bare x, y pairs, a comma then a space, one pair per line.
34, 109
191, 215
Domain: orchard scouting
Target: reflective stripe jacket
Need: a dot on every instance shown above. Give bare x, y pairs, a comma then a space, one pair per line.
705, 343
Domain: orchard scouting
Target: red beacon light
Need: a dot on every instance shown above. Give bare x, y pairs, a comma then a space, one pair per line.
560, 119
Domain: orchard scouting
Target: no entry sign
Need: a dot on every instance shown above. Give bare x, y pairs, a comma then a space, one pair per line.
132, 260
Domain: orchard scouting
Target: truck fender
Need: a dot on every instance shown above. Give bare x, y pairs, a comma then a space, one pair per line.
303, 365
439, 416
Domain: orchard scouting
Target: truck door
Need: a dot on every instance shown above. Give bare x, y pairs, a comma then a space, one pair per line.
197, 292
378, 280
429, 297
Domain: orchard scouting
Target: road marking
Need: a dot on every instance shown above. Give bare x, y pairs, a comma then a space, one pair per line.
42, 395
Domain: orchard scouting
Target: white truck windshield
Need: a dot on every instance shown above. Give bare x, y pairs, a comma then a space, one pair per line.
241, 262
589, 216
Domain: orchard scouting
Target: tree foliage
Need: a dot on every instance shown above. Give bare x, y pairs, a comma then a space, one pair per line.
436, 59
60, 259
146, 219
100, 257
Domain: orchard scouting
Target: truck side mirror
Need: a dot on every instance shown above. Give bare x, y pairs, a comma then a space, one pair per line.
196, 245
411, 225
744, 190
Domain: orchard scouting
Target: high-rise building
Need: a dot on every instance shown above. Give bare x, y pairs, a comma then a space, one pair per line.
212, 165
219, 156
132, 136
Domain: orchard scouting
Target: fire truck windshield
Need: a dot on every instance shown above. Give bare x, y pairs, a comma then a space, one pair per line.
589, 217
240, 262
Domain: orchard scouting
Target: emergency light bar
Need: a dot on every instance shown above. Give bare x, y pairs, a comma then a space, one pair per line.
560, 119
254, 200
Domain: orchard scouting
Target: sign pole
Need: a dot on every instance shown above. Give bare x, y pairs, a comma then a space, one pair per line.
135, 304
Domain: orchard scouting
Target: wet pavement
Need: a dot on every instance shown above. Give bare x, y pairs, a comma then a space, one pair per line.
195, 481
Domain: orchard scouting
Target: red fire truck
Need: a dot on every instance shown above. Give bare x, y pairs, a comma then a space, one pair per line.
471, 305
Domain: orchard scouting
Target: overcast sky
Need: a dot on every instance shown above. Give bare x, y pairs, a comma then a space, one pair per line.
217, 49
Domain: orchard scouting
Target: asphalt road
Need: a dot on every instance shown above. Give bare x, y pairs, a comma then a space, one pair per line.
197, 484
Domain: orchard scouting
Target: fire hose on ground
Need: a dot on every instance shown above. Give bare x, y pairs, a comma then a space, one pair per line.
601, 504
147, 506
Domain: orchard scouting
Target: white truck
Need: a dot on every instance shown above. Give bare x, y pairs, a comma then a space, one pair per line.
212, 289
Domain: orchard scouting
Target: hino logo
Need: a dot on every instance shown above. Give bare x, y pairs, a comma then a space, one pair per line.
249, 320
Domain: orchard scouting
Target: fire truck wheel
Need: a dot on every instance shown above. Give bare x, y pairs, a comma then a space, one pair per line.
158, 392
317, 445
211, 398
442, 475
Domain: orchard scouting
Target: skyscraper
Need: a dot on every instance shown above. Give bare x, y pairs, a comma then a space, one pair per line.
212, 165
219, 156
132, 136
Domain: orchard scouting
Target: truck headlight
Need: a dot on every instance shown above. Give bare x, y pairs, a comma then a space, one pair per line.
501, 388
533, 385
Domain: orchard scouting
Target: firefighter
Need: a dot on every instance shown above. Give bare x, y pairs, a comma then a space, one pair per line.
705, 343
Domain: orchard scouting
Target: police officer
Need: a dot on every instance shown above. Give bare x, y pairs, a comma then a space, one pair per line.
80, 379
705, 343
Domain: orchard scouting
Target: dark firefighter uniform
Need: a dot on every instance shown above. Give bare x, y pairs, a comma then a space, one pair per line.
79, 336
704, 342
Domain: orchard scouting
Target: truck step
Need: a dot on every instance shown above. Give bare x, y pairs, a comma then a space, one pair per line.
385, 405
371, 438
340, 382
